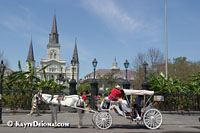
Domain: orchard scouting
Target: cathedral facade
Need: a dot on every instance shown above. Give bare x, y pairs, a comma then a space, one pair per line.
56, 66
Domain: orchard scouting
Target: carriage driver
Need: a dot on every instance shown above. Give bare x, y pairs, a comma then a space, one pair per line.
115, 94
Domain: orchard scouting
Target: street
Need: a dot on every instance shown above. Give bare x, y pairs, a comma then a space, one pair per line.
171, 123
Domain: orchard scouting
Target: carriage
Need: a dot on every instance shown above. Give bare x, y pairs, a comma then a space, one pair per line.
150, 117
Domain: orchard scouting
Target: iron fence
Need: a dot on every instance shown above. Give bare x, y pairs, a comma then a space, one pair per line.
180, 102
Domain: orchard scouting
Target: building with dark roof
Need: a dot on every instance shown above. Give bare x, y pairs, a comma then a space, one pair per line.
119, 75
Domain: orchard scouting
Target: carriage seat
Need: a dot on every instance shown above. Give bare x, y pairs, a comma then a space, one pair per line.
114, 103
144, 109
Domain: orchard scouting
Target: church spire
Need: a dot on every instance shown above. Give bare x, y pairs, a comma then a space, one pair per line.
30, 56
75, 54
53, 36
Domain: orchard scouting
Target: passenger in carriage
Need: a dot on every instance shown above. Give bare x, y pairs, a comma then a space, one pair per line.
115, 94
139, 103
127, 109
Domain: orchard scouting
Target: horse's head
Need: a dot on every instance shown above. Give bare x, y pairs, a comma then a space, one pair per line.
39, 96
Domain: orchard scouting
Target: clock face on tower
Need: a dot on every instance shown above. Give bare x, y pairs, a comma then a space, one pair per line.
53, 54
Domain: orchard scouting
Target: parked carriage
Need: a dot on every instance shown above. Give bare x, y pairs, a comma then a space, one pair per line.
150, 117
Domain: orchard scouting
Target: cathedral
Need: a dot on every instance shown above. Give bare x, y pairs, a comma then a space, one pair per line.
57, 66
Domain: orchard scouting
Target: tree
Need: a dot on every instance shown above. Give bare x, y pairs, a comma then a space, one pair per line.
155, 60
83, 88
153, 57
183, 68
21, 86
109, 81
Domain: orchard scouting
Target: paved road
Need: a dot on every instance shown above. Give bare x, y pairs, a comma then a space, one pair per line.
171, 123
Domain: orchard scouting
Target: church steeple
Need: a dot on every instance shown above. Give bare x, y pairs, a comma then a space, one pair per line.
75, 54
30, 56
53, 36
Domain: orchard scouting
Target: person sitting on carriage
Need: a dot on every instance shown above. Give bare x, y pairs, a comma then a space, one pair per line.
139, 103
127, 109
115, 94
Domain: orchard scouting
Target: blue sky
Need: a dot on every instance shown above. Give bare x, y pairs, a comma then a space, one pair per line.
105, 29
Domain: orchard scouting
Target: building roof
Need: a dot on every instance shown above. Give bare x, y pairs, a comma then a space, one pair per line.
54, 26
7, 71
30, 56
119, 74
75, 54
53, 36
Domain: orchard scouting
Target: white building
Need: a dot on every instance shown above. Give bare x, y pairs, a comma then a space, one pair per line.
56, 65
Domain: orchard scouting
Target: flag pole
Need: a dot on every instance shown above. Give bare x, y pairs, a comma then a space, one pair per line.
166, 47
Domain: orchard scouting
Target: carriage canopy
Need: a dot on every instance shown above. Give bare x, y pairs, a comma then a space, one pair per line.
137, 92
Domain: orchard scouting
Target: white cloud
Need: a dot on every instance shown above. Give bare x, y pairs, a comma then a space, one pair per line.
126, 25
112, 14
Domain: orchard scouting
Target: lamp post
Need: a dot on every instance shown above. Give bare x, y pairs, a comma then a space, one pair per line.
126, 84
72, 83
94, 63
126, 64
94, 87
2, 68
60, 78
145, 85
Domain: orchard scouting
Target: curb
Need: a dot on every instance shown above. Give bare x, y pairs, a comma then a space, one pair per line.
181, 112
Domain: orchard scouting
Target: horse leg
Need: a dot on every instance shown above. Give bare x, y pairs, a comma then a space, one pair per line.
52, 118
80, 113
53, 113
32, 110
37, 110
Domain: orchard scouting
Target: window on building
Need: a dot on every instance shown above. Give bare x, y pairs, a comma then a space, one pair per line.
55, 55
61, 69
54, 36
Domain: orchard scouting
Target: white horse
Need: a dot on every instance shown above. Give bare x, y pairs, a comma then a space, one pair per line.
69, 101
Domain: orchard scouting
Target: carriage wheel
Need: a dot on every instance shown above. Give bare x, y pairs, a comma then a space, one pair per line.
152, 118
103, 120
94, 118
